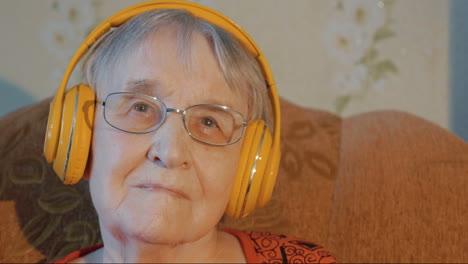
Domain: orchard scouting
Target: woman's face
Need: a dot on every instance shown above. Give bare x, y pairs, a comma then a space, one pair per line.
164, 187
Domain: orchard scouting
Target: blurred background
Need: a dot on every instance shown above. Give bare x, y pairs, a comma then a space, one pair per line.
343, 56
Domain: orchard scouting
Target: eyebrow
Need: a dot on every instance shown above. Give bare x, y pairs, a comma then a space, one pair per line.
143, 86
152, 88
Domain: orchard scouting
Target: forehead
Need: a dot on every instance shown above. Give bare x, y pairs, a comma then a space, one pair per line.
169, 65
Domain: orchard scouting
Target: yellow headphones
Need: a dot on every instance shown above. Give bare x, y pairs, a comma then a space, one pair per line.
71, 117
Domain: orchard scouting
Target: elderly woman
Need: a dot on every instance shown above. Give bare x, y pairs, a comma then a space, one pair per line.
174, 94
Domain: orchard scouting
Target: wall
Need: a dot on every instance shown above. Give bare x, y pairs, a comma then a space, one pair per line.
343, 56
459, 67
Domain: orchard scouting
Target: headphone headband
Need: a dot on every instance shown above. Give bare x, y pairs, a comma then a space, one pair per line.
197, 10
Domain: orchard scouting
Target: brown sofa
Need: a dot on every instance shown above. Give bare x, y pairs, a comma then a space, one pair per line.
377, 187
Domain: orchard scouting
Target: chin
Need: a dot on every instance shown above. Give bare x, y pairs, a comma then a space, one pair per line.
152, 228
165, 233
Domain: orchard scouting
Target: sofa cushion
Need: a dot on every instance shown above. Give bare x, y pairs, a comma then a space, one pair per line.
401, 191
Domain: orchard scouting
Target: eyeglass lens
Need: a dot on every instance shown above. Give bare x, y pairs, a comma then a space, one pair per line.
138, 113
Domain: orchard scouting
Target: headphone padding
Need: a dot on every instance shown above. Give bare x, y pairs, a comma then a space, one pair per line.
75, 134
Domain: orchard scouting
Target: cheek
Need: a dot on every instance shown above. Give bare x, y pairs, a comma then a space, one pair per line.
114, 155
112, 147
218, 168
106, 152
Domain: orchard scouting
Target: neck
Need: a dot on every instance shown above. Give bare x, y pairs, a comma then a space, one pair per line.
215, 246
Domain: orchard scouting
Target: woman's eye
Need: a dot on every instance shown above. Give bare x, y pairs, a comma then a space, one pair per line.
141, 107
209, 122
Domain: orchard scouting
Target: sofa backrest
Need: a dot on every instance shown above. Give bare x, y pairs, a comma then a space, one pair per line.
378, 187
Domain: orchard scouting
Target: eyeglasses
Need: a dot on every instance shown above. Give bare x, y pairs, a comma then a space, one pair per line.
139, 113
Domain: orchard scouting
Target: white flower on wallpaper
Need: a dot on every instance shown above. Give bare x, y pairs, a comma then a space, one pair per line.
351, 82
352, 39
366, 14
71, 21
60, 39
78, 12
345, 41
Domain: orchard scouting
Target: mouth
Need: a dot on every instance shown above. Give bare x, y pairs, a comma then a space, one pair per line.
158, 188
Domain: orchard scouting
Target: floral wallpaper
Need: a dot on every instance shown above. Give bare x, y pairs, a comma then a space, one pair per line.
63, 33
352, 40
344, 56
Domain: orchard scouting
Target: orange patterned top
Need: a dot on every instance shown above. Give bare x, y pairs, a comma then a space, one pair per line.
259, 247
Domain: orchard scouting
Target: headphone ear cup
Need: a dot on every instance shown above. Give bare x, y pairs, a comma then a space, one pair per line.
256, 174
239, 180
75, 134
252, 164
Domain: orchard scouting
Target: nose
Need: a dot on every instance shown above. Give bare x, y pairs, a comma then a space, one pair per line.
169, 146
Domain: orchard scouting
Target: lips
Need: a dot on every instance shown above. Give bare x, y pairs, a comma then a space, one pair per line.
151, 187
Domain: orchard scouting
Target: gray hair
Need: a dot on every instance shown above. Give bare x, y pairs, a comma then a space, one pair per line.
240, 68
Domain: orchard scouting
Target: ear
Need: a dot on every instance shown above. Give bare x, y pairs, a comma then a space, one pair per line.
87, 171
86, 174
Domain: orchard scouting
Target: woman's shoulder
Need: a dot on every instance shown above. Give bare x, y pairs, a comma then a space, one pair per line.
76, 255
267, 247
258, 247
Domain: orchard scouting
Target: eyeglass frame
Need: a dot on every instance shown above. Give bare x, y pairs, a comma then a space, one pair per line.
173, 110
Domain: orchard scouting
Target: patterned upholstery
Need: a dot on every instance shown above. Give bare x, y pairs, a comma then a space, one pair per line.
378, 187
